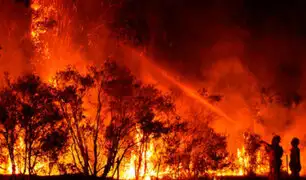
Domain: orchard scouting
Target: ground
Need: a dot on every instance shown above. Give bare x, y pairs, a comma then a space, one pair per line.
77, 177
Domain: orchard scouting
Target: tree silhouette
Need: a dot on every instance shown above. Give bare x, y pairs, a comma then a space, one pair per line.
101, 118
9, 116
133, 109
252, 142
39, 115
119, 85
72, 88
194, 148
54, 144
152, 110
99, 115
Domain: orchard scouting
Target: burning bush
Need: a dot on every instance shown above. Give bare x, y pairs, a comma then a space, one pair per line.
252, 144
195, 149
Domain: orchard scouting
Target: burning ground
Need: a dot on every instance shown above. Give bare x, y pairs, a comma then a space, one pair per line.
140, 89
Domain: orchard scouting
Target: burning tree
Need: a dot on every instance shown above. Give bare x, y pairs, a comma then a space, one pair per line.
29, 115
9, 120
39, 116
119, 85
72, 90
173, 151
162, 148
195, 148
53, 145
256, 158
133, 109
153, 109
136, 110
252, 144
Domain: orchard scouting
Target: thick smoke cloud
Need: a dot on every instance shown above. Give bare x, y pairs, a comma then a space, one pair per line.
231, 45
276, 47
190, 36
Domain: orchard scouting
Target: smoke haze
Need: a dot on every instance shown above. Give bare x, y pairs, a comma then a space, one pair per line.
234, 48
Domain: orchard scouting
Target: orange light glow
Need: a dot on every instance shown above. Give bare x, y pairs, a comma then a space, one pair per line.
35, 6
55, 49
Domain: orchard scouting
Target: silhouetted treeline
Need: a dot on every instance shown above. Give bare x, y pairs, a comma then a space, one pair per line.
94, 122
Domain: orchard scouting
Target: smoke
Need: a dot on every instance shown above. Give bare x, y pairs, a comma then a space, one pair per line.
16, 50
191, 36
234, 48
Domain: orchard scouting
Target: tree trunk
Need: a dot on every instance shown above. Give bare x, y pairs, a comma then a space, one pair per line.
118, 171
25, 159
10, 141
158, 168
84, 153
96, 134
12, 158
30, 143
120, 159
110, 161
29, 160
107, 167
137, 175
86, 163
95, 171
145, 160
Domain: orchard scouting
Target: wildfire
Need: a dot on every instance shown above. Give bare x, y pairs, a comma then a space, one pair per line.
43, 19
261, 165
147, 169
241, 165
142, 157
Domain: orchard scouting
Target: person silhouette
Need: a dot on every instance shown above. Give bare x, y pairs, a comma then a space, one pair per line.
275, 152
295, 164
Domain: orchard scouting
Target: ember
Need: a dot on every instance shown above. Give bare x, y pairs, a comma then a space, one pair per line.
98, 88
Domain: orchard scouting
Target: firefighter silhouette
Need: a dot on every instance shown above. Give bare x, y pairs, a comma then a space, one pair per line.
275, 152
295, 164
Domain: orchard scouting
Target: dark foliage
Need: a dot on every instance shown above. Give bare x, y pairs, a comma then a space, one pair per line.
252, 144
